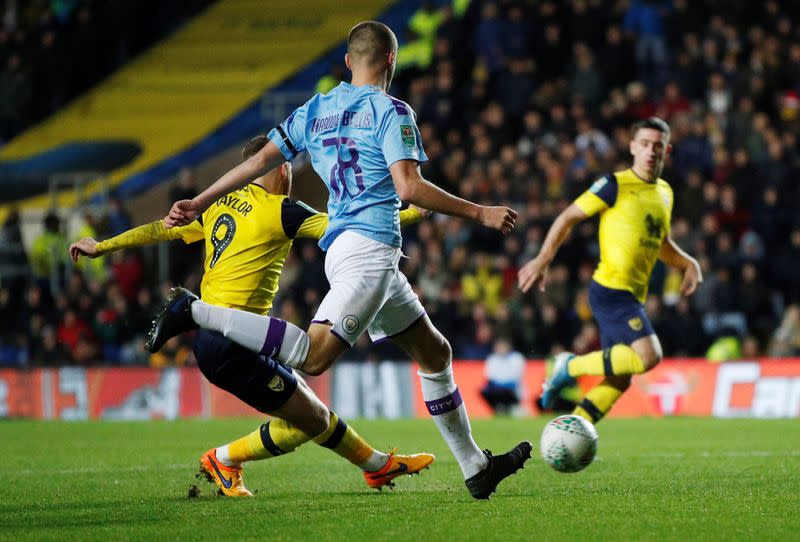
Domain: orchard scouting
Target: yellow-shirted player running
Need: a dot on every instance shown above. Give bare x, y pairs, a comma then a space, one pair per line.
635, 207
248, 234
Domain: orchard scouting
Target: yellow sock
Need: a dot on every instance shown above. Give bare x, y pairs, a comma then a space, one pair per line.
276, 437
247, 448
599, 400
620, 359
343, 440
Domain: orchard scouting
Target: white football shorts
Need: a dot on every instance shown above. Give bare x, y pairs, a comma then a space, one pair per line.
368, 291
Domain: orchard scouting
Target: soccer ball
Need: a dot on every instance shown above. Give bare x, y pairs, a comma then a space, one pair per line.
569, 443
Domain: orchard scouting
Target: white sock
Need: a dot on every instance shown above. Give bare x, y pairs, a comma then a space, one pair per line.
450, 415
376, 461
270, 336
223, 457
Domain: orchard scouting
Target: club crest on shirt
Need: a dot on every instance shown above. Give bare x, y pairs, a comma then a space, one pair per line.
635, 323
653, 226
276, 384
407, 135
350, 324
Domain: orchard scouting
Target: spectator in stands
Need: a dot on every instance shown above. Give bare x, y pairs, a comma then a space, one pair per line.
616, 58
326, 83
93, 269
185, 186
128, 272
15, 93
183, 257
14, 264
76, 335
786, 339
119, 220
586, 83
504, 371
673, 102
49, 351
518, 129
787, 264
646, 20
488, 40
425, 21
173, 353
48, 253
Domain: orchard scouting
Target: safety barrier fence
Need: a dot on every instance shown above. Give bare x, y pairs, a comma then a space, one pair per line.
762, 388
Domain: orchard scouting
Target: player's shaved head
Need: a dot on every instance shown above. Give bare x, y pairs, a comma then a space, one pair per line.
369, 42
253, 146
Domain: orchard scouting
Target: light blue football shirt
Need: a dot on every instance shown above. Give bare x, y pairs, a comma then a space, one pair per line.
353, 134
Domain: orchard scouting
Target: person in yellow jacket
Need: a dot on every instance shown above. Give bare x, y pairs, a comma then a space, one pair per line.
47, 251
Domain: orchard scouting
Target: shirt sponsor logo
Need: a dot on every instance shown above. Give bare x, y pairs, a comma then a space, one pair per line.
357, 119
325, 123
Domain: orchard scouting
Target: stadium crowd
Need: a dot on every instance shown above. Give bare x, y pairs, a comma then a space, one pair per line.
53, 50
526, 104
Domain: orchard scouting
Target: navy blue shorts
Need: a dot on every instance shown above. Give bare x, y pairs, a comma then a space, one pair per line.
619, 315
259, 381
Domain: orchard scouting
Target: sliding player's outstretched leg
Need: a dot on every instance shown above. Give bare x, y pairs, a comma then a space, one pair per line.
298, 417
265, 335
223, 465
174, 318
482, 470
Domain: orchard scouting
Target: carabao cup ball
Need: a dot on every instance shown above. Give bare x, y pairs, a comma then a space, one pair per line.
569, 443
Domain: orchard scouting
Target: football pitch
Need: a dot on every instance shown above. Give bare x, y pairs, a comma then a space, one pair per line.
654, 479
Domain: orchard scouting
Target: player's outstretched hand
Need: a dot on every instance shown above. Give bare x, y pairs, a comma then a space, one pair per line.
692, 278
531, 274
498, 218
182, 213
85, 247
424, 213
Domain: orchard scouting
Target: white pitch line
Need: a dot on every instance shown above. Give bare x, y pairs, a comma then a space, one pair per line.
656, 455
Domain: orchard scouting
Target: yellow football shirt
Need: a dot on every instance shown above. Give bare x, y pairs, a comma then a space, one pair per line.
248, 234
634, 220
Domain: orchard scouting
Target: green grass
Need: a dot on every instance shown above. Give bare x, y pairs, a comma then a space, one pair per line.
671, 479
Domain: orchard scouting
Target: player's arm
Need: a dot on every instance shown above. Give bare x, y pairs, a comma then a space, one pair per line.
286, 141
402, 149
314, 224
413, 215
413, 188
600, 196
299, 221
672, 255
184, 211
135, 237
534, 271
